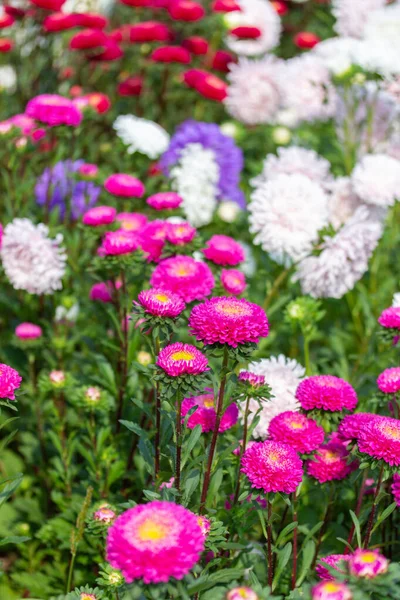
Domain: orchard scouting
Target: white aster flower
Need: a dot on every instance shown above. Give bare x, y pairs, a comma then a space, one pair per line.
228, 211
376, 179
396, 299
196, 178
352, 15
344, 257
253, 92
307, 89
286, 214
8, 78
338, 53
283, 375
32, 261
67, 314
141, 135
343, 202
254, 13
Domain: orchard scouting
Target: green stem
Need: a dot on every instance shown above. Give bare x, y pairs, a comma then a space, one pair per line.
373, 509
243, 448
275, 287
178, 443
70, 572
307, 355
269, 544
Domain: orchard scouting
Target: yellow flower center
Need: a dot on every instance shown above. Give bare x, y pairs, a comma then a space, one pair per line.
151, 531
296, 425
331, 586
273, 456
161, 297
368, 558
391, 432
233, 310
182, 355
209, 402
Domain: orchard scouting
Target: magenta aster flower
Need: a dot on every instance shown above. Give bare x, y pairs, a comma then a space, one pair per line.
131, 221
28, 331
180, 233
88, 170
272, 467
389, 380
185, 276
396, 488
335, 561
241, 593
104, 514
161, 303
124, 186
330, 462
331, 590
390, 318
205, 414
10, 380
233, 281
155, 542
164, 200
118, 242
227, 320
53, 110
327, 392
380, 438
182, 359
251, 378
296, 430
99, 215
368, 564
224, 250
152, 238
351, 425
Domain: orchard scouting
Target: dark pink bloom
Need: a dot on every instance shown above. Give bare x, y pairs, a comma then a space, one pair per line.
293, 428
171, 54
99, 215
331, 590
251, 378
124, 186
331, 462
205, 414
53, 110
351, 425
334, 561
182, 359
28, 331
224, 250
152, 239
164, 200
161, 303
368, 564
326, 392
380, 439
233, 281
185, 276
389, 381
102, 292
10, 380
396, 488
132, 221
118, 242
180, 233
390, 318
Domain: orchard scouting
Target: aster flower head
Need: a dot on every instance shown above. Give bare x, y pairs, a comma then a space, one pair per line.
32, 260
161, 303
116, 243
105, 514
389, 381
252, 379
390, 318
272, 467
131, 221
184, 276
57, 378
152, 239
380, 439
99, 215
164, 200
182, 359
28, 331
298, 431
141, 135
351, 425
10, 380
224, 250
228, 320
326, 392
241, 593
155, 542
343, 202
330, 462
331, 590
205, 414
233, 281
396, 488
368, 564
376, 179
351, 16
180, 233
253, 13
334, 561
124, 186
53, 110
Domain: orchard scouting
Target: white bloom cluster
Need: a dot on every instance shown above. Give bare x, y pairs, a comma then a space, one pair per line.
286, 214
338, 53
396, 299
283, 375
254, 13
8, 78
32, 261
343, 202
376, 179
352, 15
195, 177
141, 135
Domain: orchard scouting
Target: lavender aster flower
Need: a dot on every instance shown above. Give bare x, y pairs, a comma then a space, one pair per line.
227, 155
63, 190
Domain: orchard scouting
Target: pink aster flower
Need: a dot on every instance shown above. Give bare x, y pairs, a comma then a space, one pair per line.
88, 170
182, 359
165, 200
396, 488
10, 380
224, 250
93, 394
227, 320
390, 318
204, 524
296, 430
28, 331
102, 291
351, 425
180, 233
380, 438
272, 467
161, 303
389, 381
241, 593
326, 392
155, 542
167, 484
99, 215
331, 590
124, 186
335, 561
233, 281
105, 515
205, 413
331, 462
185, 276
53, 110
368, 564
131, 221
251, 378
57, 378
118, 242
152, 239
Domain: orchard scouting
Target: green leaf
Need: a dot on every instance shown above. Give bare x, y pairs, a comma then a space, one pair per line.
14, 539
288, 529
357, 528
308, 556
283, 559
208, 581
384, 515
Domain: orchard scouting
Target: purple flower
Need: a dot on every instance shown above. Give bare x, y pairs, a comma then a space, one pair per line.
227, 155
61, 187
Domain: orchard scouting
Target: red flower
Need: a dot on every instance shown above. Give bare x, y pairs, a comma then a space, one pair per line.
48, 4
132, 86
192, 76
306, 39
246, 32
149, 31
221, 61
111, 52
6, 45
92, 20
60, 22
88, 38
169, 54
211, 87
186, 10
196, 45
136, 3
280, 7
15, 12
100, 102
6, 21
225, 6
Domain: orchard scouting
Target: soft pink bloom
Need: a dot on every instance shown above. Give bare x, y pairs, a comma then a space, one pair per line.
185, 276
164, 200
368, 563
88, 170
326, 392
380, 438
1, 234
57, 377
204, 524
102, 292
396, 488
161, 303
93, 394
10, 380
233, 281
180, 233
124, 185
331, 590
167, 484
334, 561
205, 414
182, 359
241, 593
251, 378
227, 320
118, 242
23, 122
99, 215
331, 462
224, 250
296, 430
53, 110
389, 380
155, 542
152, 239
390, 318
272, 467
104, 514
131, 221
28, 331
